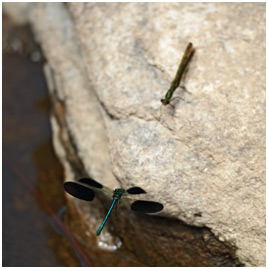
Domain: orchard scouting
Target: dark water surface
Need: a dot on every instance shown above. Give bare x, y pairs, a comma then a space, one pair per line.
32, 177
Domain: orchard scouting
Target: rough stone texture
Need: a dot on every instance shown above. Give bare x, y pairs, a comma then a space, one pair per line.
110, 64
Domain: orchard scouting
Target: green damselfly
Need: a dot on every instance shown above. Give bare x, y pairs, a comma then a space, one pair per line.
189, 51
86, 189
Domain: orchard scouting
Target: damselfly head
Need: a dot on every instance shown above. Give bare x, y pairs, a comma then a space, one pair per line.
165, 102
119, 191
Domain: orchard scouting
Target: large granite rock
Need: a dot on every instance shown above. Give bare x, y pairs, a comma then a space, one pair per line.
108, 67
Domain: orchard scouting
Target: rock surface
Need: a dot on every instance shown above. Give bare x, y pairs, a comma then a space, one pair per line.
110, 64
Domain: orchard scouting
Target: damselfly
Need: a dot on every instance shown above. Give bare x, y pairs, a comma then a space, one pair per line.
176, 81
86, 189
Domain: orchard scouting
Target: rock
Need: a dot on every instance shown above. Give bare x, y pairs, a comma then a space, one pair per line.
109, 65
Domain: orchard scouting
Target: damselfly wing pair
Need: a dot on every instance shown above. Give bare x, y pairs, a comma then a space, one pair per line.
86, 189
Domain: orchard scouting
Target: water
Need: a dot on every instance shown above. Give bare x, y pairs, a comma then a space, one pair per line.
32, 176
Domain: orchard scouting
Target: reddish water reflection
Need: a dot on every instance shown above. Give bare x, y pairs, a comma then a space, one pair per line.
28, 236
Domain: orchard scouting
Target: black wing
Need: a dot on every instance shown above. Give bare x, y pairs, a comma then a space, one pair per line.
135, 190
146, 206
79, 191
91, 182
141, 206
96, 186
